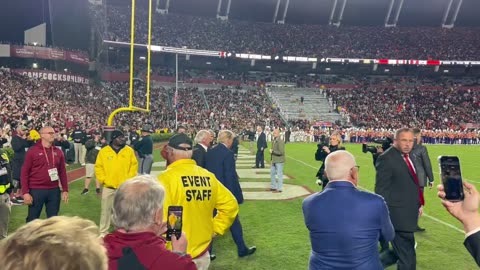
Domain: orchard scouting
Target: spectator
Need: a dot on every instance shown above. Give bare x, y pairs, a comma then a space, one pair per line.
56, 243
466, 212
336, 244
137, 202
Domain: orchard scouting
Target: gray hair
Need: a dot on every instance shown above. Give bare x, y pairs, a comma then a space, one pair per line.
201, 135
338, 165
136, 202
400, 131
225, 135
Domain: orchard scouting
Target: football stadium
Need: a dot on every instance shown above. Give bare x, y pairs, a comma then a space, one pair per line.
240, 135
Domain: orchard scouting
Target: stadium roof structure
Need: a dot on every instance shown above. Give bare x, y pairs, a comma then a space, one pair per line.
445, 13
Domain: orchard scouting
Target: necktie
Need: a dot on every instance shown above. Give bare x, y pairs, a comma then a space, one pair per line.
412, 171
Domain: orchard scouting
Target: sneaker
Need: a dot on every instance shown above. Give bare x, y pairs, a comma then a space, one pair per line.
84, 192
319, 182
98, 191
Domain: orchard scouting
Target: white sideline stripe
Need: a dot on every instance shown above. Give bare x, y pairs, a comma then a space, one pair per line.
424, 214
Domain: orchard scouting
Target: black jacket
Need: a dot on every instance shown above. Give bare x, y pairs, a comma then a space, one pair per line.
320, 155
19, 146
472, 243
396, 185
423, 167
199, 154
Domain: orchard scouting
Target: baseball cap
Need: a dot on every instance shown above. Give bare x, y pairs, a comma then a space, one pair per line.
116, 134
177, 140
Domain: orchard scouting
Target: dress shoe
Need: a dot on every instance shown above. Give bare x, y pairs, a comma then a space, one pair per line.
270, 189
277, 191
213, 257
248, 252
420, 229
254, 167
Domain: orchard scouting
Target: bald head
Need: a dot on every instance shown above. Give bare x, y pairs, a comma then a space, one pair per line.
340, 165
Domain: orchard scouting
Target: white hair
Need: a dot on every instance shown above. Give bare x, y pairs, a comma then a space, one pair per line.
338, 165
136, 202
201, 135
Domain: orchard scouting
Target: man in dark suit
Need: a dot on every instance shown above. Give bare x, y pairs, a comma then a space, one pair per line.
336, 244
397, 182
220, 161
423, 167
261, 146
466, 211
203, 140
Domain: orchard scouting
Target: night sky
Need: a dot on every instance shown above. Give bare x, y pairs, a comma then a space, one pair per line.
68, 23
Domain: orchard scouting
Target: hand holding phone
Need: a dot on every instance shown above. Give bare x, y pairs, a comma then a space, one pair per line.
179, 244
465, 211
451, 177
174, 222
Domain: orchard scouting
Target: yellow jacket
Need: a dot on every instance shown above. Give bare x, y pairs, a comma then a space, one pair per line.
112, 169
199, 192
34, 135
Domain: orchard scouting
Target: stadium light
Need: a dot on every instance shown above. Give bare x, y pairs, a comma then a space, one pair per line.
35, 43
66, 69
34, 65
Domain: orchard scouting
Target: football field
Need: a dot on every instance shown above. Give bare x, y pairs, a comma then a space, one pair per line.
274, 222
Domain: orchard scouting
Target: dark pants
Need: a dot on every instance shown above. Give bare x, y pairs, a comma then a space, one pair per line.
237, 235
260, 159
404, 247
48, 197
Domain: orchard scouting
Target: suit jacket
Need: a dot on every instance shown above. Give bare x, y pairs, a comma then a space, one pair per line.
220, 161
472, 243
199, 154
336, 244
262, 141
396, 185
423, 166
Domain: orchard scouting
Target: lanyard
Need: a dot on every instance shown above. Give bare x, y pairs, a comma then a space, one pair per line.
53, 157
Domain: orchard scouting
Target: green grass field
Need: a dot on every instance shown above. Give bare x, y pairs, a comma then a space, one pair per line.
277, 228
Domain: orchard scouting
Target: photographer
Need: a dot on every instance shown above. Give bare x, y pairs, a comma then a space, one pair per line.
324, 148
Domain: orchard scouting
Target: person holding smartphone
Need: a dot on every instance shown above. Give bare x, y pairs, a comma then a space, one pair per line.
136, 232
466, 211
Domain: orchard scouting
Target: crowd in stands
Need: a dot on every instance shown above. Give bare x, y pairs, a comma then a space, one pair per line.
36, 103
289, 39
393, 105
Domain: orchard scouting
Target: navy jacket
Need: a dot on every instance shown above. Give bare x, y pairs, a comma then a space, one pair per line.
262, 141
220, 161
345, 225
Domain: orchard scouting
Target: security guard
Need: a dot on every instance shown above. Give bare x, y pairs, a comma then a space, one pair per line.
144, 149
5, 189
199, 192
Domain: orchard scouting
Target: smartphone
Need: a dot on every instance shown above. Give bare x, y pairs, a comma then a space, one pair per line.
451, 178
174, 222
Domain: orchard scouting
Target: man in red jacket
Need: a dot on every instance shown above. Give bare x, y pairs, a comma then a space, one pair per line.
43, 169
138, 217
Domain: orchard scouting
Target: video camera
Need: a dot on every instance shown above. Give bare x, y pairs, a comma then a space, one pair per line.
324, 141
385, 142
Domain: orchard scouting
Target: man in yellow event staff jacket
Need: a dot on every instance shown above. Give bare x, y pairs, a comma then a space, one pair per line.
115, 163
199, 192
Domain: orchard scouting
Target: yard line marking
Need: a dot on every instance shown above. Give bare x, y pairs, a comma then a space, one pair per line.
425, 214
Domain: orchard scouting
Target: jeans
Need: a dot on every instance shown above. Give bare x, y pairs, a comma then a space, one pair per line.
276, 170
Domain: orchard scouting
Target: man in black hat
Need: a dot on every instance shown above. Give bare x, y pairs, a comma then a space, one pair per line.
144, 149
115, 164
